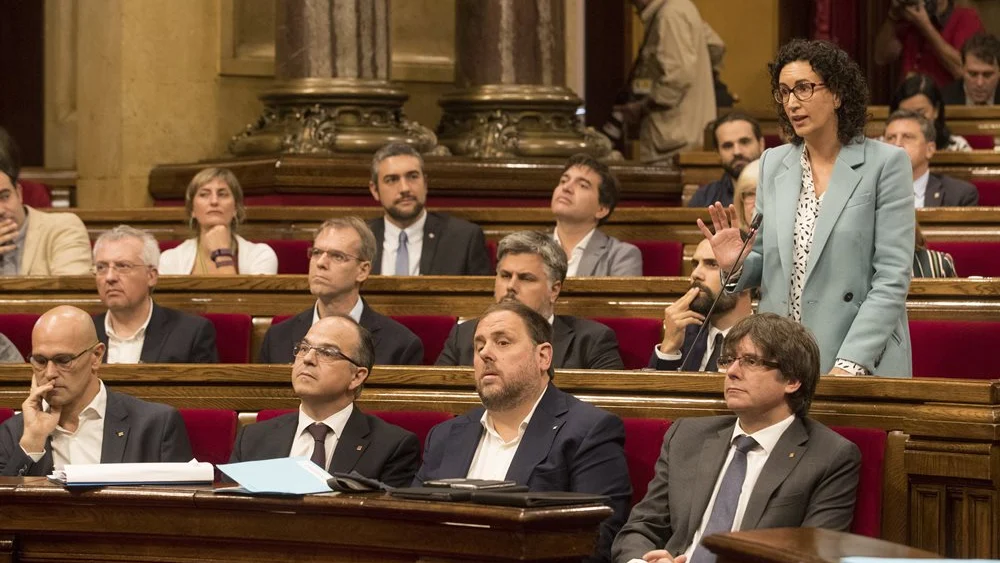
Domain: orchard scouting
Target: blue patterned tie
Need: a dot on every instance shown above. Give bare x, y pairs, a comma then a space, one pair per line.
724, 509
402, 256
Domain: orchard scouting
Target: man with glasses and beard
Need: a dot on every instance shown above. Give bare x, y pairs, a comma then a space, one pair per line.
738, 139
411, 240
683, 319
70, 417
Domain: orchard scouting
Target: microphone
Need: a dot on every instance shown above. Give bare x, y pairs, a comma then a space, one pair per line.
754, 226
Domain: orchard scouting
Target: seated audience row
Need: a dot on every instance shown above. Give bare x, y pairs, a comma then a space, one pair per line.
526, 430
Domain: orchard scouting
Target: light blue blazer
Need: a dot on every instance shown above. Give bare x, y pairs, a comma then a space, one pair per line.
859, 269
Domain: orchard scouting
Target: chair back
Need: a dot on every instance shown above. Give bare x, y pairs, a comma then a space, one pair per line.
643, 442
433, 331
232, 336
636, 338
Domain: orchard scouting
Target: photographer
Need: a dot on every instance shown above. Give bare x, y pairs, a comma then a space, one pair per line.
927, 35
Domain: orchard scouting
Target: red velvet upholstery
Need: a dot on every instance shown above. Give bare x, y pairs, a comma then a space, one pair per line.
292, 257
432, 330
989, 192
168, 244
5, 413
268, 414
35, 194
868, 507
957, 349
17, 327
643, 442
773, 140
491, 249
636, 338
660, 257
418, 422
211, 432
972, 258
980, 142
232, 336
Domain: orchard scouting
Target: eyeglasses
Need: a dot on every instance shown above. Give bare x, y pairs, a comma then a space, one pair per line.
124, 268
334, 255
803, 91
60, 361
327, 354
747, 361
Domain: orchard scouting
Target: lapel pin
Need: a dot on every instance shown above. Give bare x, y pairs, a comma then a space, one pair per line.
791, 455
430, 235
120, 433
359, 448
555, 427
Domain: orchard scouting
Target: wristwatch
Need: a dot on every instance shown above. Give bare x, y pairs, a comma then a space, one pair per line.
219, 253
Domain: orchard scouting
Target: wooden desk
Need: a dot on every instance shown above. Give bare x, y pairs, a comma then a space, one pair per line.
803, 545
41, 521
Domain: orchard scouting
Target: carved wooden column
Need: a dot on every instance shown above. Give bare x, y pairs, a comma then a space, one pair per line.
512, 99
332, 91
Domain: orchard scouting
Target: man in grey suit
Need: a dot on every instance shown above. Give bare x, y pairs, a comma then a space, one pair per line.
531, 270
70, 417
135, 329
584, 199
411, 240
767, 467
915, 134
331, 365
340, 261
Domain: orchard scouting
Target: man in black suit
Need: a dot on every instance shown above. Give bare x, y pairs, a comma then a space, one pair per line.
331, 365
528, 430
135, 329
531, 270
682, 320
739, 141
340, 261
915, 134
70, 417
980, 74
411, 240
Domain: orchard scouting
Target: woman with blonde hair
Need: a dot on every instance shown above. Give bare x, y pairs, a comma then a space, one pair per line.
214, 205
745, 194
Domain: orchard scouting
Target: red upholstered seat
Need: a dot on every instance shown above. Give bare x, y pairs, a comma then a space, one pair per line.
418, 422
17, 327
660, 257
211, 432
432, 330
35, 194
636, 338
5, 413
232, 336
168, 244
956, 349
980, 142
292, 258
972, 258
643, 441
989, 192
491, 249
268, 414
868, 507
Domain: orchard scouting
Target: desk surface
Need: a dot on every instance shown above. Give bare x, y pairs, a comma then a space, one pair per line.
804, 545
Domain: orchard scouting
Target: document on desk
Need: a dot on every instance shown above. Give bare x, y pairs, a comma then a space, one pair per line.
281, 476
100, 474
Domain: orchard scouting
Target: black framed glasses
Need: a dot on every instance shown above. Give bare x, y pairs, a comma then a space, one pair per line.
326, 354
802, 91
61, 361
334, 255
747, 361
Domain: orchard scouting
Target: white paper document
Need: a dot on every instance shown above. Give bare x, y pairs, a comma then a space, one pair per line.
97, 474
281, 476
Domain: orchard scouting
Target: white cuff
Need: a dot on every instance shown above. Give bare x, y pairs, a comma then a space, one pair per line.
666, 357
35, 456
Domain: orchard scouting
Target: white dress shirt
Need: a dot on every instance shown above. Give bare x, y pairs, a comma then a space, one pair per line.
920, 189
303, 443
84, 445
577, 254
126, 349
414, 245
355, 312
493, 456
712, 331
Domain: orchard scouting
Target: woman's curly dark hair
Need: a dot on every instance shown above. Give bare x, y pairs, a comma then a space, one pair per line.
840, 74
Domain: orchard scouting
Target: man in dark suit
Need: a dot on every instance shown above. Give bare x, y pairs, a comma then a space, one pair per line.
739, 141
980, 74
584, 199
70, 417
331, 365
411, 240
783, 469
531, 270
340, 261
682, 347
915, 134
528, 430
135, 329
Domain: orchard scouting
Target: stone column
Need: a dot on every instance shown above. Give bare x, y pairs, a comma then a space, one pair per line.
512, 99
332, 91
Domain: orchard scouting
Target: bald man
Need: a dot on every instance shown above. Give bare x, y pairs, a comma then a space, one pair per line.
70, 417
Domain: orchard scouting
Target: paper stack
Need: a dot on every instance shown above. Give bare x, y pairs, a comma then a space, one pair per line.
99, 474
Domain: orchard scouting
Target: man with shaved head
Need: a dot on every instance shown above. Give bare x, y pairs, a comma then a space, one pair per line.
70, 417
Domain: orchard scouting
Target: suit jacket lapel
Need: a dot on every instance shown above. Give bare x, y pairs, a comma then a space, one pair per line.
370, 322
156, 335
787, 186
464, 438
783, 459
695, 348
538, 436
934, 192
102, 335
712, 457
432, 233
116, 430
352, 444
562, 337
843, 181
378, 229
31, 237
278, 442
592, 254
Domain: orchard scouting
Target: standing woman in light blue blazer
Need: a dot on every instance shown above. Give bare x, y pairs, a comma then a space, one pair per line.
835, 248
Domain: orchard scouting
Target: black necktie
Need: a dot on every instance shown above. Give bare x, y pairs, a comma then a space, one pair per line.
713, 359
724, 509
318, 431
